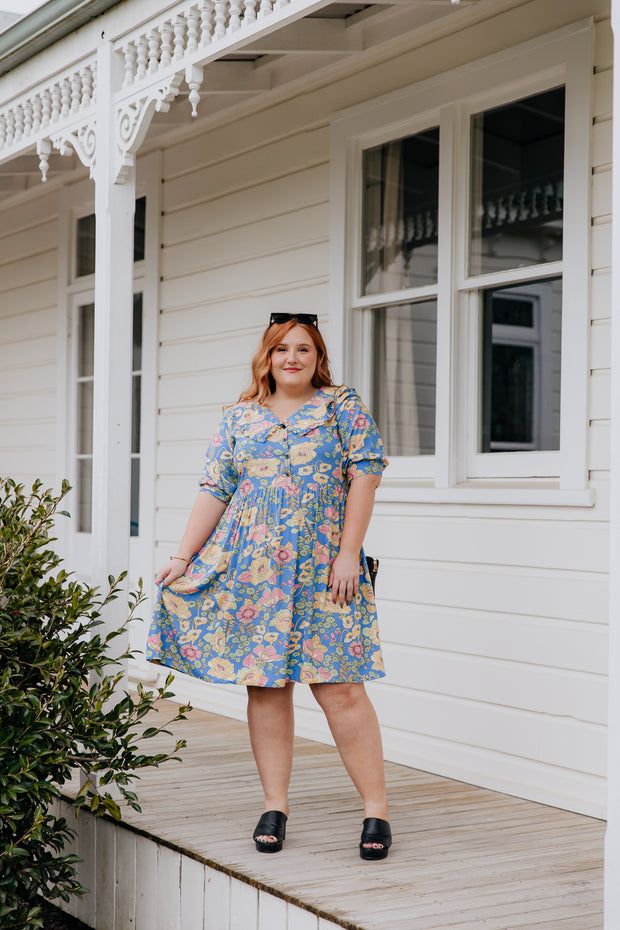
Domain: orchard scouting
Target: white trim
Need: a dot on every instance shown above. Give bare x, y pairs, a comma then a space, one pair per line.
612, 839
563, 57
472, 493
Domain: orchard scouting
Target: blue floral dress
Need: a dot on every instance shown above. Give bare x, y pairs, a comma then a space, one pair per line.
254, 607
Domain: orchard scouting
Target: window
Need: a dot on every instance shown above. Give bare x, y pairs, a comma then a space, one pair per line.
84, 420
136, 400
84, 326
465, 266
521, 367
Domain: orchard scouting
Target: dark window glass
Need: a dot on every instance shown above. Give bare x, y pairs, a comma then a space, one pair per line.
518, 184
400, 207
134, 526
139, 226
84, 495
85, 417
86, 340
404, 376
136, 394
521, 362
135, 413
85, 258
136, 352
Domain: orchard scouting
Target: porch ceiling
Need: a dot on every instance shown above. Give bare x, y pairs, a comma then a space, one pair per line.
299, 42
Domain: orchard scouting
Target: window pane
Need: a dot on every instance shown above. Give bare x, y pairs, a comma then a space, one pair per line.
84, 495
136, 354
86, 340
518, 184
135, 413
85, 418
85, 247
400, 204
405, 349
135, 498
521, 359
139, 225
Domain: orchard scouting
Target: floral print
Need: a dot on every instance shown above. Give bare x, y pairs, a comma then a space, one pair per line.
254, 605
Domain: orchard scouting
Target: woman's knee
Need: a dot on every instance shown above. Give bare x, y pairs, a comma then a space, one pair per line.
339, 695
270, 697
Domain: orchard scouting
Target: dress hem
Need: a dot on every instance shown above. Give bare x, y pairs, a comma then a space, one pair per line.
234, 681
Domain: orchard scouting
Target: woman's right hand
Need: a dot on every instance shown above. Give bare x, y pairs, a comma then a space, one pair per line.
169, 572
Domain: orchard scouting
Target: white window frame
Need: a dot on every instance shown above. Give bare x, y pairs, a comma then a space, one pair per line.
449, 100
78, 200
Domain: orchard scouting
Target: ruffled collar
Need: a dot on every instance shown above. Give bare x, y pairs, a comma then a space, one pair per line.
259, 421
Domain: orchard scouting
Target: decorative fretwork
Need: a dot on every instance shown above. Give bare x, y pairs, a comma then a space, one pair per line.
58, 113
173, 49
134, 117
188, 31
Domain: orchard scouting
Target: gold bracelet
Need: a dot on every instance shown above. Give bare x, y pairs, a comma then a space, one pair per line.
180, 557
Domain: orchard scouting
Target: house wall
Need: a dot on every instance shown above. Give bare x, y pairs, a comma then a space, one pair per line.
28, 345
493, 617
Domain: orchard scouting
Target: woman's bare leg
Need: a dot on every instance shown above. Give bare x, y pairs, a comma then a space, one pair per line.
271, 724
355, 728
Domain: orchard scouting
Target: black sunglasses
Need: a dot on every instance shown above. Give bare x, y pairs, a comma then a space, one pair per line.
310, 319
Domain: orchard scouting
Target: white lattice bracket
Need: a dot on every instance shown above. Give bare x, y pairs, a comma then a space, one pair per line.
83, 141
133, 119
63, 106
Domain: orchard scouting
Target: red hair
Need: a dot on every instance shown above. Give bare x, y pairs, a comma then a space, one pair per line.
263, 384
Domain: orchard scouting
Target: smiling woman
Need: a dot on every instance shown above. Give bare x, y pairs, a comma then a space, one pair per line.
270, 585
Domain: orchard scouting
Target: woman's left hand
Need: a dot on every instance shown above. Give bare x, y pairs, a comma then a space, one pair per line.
344, 577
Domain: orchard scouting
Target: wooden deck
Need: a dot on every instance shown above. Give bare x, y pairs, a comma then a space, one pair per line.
463, 857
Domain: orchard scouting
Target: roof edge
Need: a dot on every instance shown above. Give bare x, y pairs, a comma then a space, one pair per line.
43, 27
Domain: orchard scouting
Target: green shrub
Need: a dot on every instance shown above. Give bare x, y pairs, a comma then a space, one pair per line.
60, 710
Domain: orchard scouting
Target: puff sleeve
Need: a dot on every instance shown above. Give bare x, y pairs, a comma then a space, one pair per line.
220, 476
359, 436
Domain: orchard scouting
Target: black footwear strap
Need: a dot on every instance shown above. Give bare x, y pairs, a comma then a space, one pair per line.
375, 830
272, 823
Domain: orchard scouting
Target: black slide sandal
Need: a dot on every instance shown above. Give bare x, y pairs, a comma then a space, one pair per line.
375, 830
272, 823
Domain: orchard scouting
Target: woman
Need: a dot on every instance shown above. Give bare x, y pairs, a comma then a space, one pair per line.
270, 586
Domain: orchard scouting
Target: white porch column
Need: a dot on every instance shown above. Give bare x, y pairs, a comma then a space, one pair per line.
114, 211
612, 845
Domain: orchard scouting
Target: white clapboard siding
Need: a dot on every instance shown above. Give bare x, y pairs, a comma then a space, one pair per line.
559, 741
288, 265
28, 272
579, 695
527, 543
493, 617
261, 164
600, 295
210, 250
541, 641
235, 210
600, 244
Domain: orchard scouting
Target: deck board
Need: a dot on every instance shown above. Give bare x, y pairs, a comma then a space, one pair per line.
463, 857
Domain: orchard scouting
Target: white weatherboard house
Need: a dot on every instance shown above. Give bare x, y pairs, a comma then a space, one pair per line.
434, 179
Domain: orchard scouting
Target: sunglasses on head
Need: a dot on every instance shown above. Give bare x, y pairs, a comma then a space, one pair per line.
310, 319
